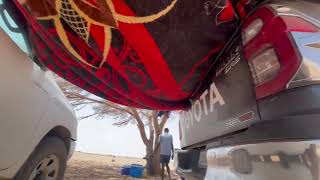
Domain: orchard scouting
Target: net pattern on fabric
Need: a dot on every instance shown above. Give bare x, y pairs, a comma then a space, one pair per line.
74, 20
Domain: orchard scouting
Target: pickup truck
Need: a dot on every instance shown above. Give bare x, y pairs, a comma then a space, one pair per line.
259, 118
245, 72
38, 127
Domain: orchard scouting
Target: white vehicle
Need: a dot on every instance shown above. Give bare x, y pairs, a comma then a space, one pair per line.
38, 127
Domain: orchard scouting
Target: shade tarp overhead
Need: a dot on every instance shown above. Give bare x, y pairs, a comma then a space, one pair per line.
141, 53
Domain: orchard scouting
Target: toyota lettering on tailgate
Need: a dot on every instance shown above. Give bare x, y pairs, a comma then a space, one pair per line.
201, 106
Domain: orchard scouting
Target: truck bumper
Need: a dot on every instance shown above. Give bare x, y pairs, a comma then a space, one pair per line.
293, 160
284, 144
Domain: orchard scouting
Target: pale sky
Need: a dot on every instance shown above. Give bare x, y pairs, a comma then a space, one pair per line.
101, 137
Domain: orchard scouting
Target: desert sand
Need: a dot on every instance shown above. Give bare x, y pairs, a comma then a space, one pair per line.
85, 166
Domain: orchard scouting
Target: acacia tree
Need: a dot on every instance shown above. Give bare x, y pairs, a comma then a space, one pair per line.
148, 122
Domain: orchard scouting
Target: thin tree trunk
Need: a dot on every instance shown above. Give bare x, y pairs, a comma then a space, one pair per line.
158, 128
150, 159
156, 162
153, 163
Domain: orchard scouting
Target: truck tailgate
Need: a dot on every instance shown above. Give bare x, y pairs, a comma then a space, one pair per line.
227, 103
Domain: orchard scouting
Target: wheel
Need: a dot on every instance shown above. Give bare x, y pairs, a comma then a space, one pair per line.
47, 162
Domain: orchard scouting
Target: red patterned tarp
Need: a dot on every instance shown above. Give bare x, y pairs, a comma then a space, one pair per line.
141, 53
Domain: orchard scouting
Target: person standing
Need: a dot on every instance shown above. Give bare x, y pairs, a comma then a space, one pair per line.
166, 151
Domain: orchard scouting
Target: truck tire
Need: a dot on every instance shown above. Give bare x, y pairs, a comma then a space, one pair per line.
47, 161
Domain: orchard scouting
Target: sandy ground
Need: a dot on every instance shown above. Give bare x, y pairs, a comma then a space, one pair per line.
84, 166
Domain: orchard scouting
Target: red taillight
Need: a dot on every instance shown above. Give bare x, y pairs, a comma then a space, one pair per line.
271, 53
265, 66
252, 30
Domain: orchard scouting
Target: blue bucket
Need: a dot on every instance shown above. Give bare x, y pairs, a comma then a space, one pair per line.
136, 171
125, 170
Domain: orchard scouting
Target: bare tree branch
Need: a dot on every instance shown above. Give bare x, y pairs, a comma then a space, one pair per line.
122, 123
154, 117
91, 115
82, 97
140, 126
151, 130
